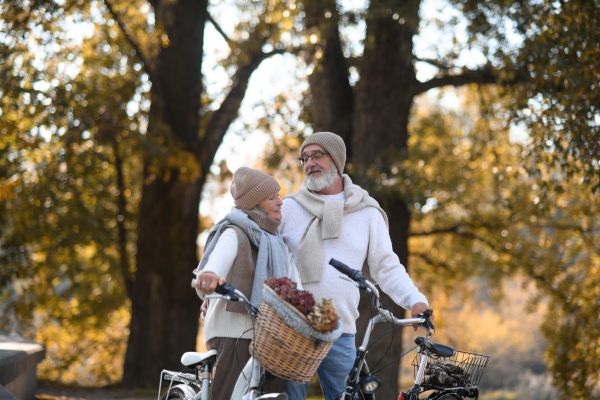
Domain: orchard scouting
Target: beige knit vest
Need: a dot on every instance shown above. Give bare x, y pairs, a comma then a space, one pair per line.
241, 274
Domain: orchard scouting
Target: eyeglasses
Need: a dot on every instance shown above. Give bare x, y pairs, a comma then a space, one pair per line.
315, 156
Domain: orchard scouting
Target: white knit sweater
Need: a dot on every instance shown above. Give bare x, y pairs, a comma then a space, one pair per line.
218, 322
364, 237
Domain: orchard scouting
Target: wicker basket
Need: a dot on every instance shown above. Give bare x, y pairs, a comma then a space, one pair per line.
281, 350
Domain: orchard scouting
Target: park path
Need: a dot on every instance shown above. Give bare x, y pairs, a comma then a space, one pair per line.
45, 392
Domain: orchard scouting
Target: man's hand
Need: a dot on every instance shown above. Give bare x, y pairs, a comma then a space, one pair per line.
417, 309
207, 282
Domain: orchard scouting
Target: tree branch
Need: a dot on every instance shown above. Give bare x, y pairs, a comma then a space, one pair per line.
145, 64
461, 230
458, 228
228, 111
218, 28
481, 76
435, 63
430, 261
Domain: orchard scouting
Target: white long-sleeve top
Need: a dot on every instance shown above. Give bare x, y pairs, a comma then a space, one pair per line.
218, 322
364, 237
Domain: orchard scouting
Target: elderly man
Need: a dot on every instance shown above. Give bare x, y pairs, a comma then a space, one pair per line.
330, 217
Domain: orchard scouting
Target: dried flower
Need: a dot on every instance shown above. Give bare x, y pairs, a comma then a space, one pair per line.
322, 317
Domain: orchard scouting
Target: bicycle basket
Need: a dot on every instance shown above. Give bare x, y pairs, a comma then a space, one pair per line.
461, 370
280, 349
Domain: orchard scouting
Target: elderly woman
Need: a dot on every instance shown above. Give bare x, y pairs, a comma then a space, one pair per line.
244, 249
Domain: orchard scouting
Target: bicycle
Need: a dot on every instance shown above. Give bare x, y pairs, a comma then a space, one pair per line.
197, 385
446, 373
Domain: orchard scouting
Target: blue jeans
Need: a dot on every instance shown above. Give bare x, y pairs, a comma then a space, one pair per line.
332, 372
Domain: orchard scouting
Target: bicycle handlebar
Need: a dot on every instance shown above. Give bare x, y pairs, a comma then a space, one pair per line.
225, 290
363, 283
231, 294
356, 275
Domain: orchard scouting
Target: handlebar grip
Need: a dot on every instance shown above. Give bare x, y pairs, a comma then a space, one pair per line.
355, 275
225, 289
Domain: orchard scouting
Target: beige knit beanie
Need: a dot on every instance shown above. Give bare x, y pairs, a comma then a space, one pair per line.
331, 143
251, 186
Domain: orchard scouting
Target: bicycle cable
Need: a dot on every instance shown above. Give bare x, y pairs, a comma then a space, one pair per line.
395, 359
381, 305
392, 330
237, 359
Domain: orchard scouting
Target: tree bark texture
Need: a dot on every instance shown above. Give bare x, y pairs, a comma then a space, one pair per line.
379, 108
331, 93
382, 109
165, 310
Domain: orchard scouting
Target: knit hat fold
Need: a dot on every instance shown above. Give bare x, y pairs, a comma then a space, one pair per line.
251, 186
331, 143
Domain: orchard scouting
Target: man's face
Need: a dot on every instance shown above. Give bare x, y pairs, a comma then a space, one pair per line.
315, 168
320, 173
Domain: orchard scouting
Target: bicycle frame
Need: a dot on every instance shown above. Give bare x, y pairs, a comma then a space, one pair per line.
196, 386
249, 382
359, 379
360, 382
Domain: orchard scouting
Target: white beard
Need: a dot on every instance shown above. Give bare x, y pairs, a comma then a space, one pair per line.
323, 181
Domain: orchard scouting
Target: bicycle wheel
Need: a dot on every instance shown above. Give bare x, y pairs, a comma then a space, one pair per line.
446, 396
176, 393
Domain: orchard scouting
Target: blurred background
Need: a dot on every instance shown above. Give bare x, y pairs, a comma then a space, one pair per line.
475, 124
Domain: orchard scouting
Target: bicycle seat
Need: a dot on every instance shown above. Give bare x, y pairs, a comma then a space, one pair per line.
191, 359
440, 350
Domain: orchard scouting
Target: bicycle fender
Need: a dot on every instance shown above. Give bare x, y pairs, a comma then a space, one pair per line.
189, 392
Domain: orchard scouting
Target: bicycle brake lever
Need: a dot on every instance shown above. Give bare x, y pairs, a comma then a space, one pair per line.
359, 285
355, 275
427, 324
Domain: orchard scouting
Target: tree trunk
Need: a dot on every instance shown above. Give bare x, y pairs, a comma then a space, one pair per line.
331, 93
381, 107
165, 310
383, 103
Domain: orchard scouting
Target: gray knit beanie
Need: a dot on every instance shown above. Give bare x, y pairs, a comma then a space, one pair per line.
331, 143
251, 186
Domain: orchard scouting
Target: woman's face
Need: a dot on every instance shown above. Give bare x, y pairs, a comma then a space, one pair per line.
272, 206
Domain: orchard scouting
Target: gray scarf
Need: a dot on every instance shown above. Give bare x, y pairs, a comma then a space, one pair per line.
272, 254
326, 224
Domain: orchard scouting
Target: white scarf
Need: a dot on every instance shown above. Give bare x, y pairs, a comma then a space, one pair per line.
326, 224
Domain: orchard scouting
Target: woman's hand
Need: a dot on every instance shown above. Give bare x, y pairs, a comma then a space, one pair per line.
203, 309
207, 282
